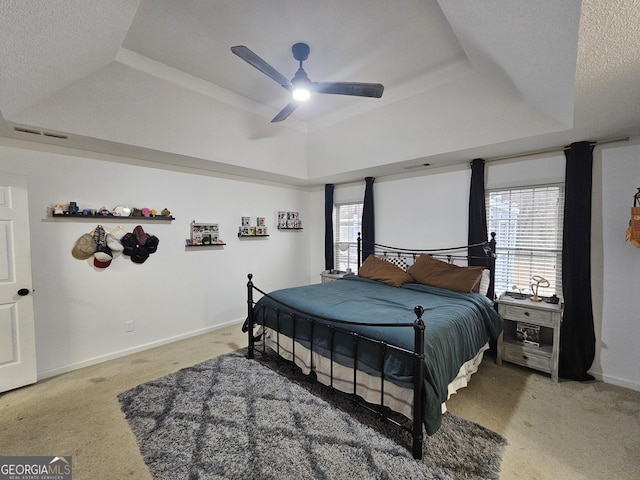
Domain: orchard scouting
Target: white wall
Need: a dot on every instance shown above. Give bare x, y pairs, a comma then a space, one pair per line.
80, 311
417, 212
423, 212
617, 303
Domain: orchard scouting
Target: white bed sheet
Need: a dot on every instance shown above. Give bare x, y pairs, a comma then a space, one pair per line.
396, 398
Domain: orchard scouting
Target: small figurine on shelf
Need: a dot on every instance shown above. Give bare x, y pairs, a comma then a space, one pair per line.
289, 220
58, 209
73, 208
293, 220
165, 212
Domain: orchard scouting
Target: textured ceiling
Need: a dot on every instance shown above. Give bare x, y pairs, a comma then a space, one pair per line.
155, 80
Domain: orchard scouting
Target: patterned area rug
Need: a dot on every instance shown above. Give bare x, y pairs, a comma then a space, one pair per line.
233, 418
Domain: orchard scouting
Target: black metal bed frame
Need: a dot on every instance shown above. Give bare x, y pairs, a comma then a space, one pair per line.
448, 254
316, 322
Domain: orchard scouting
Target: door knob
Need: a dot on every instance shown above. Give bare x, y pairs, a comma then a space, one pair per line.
23, 291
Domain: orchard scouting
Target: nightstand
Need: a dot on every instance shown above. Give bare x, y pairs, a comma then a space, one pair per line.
331, 275
531, 334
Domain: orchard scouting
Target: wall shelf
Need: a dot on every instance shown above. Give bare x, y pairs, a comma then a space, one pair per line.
290, 228
68, 216
207, 245
240, 235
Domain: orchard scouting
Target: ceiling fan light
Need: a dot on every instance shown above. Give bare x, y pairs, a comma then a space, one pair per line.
301, 94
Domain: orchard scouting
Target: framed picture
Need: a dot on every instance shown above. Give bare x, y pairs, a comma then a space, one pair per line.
528, 334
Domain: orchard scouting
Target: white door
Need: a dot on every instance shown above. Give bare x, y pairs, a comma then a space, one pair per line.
17, 334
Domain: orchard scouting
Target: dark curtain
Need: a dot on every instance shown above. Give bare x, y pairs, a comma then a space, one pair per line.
328, 227
577, 335
478, 220
368, 235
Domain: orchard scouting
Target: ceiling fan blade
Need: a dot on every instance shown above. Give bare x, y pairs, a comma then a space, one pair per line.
285, 112
350, 88
257, 62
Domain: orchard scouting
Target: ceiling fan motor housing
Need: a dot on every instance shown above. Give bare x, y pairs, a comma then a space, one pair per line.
300, 51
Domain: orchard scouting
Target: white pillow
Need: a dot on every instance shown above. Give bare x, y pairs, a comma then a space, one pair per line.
485, 280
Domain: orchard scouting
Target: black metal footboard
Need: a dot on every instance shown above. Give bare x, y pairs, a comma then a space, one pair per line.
334, 326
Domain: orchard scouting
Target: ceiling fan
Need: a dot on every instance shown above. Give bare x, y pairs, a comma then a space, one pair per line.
300, 85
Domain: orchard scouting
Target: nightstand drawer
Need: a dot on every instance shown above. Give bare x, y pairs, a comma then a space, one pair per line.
526, 357
539, 317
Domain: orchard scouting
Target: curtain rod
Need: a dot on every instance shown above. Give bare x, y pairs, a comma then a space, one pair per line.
554, 150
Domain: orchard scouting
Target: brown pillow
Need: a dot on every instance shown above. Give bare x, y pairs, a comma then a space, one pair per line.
431, 271
375, 268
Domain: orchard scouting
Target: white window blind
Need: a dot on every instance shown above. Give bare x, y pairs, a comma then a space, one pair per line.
528, 222
347, 222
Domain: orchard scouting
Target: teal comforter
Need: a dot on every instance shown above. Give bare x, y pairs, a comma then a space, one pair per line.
457, 325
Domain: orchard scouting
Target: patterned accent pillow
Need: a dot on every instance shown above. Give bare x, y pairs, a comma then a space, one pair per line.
400, 262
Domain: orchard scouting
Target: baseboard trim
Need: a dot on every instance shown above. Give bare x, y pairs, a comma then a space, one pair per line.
128, 351
619, 382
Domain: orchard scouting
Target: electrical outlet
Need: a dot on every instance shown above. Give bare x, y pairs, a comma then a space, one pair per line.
129, 326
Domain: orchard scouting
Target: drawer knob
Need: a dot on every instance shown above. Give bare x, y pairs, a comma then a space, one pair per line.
526, 314
525, 357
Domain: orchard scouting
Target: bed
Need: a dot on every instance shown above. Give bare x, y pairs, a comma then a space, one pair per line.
407, 331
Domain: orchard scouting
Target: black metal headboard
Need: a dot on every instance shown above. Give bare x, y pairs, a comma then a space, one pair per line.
405, 257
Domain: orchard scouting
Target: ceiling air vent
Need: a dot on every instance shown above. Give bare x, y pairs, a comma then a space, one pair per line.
37, 132
413, 167
55, 135
27, 130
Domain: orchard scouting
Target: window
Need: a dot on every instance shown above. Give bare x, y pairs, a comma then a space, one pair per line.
347, 223
528, 222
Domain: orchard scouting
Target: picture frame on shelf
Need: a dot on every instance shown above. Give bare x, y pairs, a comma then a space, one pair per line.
204, 234
528, 334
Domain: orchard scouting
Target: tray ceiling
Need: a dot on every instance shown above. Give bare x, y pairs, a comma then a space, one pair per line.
155, 79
